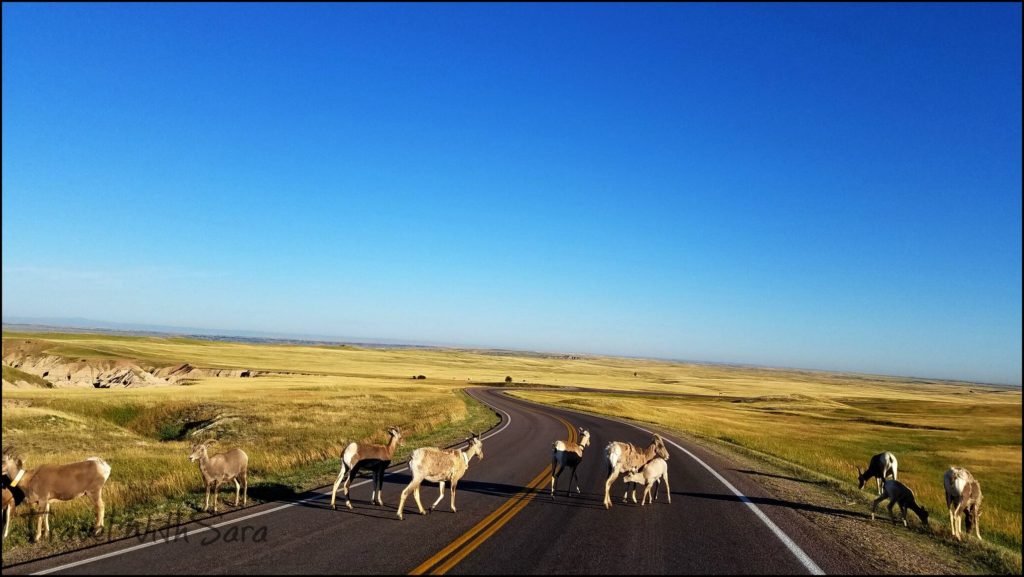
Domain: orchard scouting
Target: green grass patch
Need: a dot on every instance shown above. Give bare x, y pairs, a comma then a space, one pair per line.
13, 375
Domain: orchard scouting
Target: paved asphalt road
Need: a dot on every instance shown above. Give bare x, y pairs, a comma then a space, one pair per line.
502, 526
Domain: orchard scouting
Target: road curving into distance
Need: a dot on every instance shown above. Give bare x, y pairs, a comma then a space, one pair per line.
720, 521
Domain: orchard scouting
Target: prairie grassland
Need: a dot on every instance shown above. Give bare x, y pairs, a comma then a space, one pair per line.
294, 423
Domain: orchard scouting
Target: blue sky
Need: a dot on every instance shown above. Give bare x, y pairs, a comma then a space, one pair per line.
833, 187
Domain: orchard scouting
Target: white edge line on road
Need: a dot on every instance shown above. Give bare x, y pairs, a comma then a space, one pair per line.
795, 549
206, 528
804, 559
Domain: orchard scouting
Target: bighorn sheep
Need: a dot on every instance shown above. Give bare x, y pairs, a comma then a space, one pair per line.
881, 466
376, 458
568, 454
221, 468
439, 465
963, 498
653, 473
622, 457
899, 494
49, 483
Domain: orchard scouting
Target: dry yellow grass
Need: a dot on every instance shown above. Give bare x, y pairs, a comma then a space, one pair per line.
293, 425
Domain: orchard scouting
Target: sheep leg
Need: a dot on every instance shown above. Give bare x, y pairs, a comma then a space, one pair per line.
626, 493
238, 491
613, 473
216, 493
440, 495
207, 505
405, 493
245, 488
952, 520
334, 491
454, 483
958, 514
874, 505
576, 478
39, 524
46, 521
977, 522
556, 471
8, 512
668, 490
416, 495
348, 482
892, 515
646, 495
98, 502
379, 480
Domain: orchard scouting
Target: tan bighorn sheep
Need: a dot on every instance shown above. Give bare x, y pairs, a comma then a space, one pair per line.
963, 498
899, 494
622, 457
568, 454
881, 466
376, 458
49, 483
220, 468
439, 465
653, 473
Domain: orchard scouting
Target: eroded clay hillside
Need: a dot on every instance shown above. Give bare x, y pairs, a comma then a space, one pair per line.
43, 363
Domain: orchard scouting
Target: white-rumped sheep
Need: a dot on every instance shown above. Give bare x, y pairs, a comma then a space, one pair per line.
376, 458
881, 466
653, 474
220, 468
899, 494
439, 465
49, 483
622, 457
568, 454
963, 498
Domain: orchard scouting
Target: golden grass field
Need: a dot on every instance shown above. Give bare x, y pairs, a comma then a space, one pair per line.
294, 425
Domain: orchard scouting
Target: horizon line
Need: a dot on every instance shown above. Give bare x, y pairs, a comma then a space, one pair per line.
88, 325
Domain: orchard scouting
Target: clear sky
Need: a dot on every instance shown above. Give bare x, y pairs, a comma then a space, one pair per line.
819, 186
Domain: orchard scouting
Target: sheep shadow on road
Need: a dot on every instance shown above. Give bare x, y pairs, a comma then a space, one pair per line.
767, 501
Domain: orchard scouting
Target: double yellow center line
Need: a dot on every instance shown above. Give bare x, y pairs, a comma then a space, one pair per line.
450, 556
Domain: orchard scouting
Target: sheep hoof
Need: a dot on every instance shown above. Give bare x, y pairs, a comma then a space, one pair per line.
349, 505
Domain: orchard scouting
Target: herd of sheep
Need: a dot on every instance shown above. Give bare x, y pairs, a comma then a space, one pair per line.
645, 466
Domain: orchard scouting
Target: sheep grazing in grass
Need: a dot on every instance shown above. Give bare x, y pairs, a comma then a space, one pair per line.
963, 498
881, 466
899, 494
